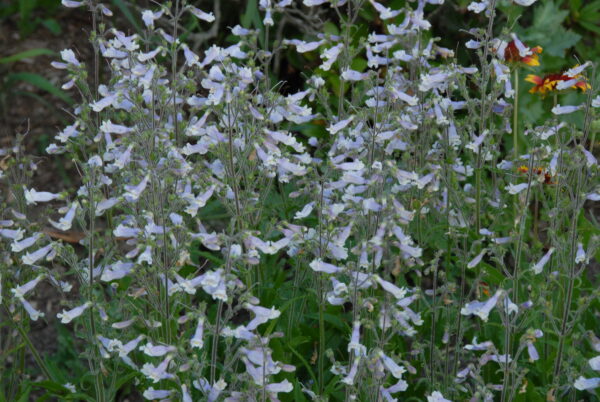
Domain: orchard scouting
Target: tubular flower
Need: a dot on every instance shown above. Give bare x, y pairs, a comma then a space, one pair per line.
556, 82
517, 52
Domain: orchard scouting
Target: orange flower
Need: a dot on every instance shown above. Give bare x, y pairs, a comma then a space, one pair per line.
512, 54
550, 83
539, 171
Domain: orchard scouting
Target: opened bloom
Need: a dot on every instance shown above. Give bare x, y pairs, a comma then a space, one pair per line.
516, 52
556, 82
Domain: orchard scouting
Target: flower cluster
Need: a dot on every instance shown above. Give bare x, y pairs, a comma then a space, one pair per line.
356, 235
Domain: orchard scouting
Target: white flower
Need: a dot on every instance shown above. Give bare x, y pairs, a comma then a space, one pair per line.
349, 379
13, 234
479, 346
261, 315
18, 246
532, 352
410, 100
196, 341
32, 258
33, 197
397, 292
68, 316
477, 141
238, 30
430, 81
208, 17
302, 46
284, 386
132, 193
352, 75
155, 394
580, 256
475, 261
185, 395
481, 309
590, 196
108, 126
330, 56
478, 6
269, 247
157, 373
213, 284
95, 161
149, 17
595, 363
558, 109
516, 188
392, 366
105, 204
198, 202
156, 350
525, 3
437, 396
20, 291
587, 384
385, 13
539, 266
69, 56
334, 128
103, 103
473, 44
66, 222
72, 4
355, 345
319, 266
305, 211
33, 313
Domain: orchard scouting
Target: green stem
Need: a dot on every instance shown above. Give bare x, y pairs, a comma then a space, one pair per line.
321, 355
515, 126
34, 352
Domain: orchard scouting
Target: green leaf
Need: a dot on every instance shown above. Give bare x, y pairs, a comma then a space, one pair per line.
590, 26
589, 9
281, 310
27, 23
209, 256
251, 17
24, 397
554, 41
574, 5
26, 54
548, 32
128, 14
125, 379
304, 363
52, 26
40, 82
52, 386
548, 14
330, 28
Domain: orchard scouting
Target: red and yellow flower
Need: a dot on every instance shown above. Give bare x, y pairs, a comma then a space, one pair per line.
547, 177
549, 82
513, 55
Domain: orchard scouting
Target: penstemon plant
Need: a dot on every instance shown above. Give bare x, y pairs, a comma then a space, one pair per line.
389, 232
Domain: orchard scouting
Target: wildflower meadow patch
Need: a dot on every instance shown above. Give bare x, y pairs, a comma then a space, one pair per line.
394, 228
